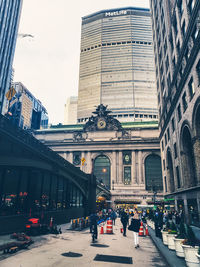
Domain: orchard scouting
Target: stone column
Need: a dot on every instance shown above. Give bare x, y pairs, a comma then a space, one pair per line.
89, 162
120, 168
136, 167
196, 147
133, 180
114, 168
140, 178
70, 157
83, 167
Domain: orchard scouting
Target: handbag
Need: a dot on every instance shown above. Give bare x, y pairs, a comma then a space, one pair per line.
130, 227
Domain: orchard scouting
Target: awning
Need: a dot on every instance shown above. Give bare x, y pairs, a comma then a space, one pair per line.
127, 201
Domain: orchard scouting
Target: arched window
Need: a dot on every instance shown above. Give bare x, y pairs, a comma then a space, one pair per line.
189, 160
170, 172
153, 173
102, 169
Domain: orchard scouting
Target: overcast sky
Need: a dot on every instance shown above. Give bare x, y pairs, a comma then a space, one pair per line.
48, 64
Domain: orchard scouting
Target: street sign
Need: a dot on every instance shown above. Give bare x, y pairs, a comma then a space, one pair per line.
11, 92
83, 160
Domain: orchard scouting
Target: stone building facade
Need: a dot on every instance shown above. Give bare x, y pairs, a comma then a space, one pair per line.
125, 157
176, 34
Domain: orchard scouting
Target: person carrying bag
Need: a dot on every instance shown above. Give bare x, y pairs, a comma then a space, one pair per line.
135, 227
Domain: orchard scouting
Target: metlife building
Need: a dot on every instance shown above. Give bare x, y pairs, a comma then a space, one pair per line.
117, 65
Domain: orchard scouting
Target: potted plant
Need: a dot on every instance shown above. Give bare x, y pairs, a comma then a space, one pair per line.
190, 248
179, 239
172, 232
165, 232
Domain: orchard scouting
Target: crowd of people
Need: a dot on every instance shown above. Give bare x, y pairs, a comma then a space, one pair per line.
131, 219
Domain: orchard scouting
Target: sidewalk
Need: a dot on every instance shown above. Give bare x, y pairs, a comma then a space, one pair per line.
75, 248
169, 255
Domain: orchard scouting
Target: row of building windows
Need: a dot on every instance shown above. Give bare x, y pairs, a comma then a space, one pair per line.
186, 97
30, 191
149, 116
117, 43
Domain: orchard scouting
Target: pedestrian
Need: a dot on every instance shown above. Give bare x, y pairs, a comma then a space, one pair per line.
124, 221
135, 227
93, 223
113, 216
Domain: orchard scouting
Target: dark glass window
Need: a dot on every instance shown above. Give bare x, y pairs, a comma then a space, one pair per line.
198, 71
46, 191
53, 198
184, 102
10, 192
153, 173
127, 175
35, 190
175, 151
60, 193
102, 170
23, 202
127, 157
163, 164
178, 177
168, 134
191, 88
76, 158
173, 125
165, 183
179, 112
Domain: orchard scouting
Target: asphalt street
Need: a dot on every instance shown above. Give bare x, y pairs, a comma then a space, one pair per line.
75, 248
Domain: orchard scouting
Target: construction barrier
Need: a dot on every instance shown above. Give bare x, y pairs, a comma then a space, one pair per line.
141, 231
147, 232
109, 227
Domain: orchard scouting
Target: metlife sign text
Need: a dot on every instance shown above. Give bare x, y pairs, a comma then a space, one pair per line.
116, 13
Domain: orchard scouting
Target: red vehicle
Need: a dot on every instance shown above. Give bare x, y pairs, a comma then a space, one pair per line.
34, 227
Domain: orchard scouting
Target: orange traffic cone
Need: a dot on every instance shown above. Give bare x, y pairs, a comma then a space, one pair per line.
51, 222
141, 231
147, 232
101, 231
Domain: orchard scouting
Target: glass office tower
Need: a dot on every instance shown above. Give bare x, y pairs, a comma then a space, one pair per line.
116, 64
10, 11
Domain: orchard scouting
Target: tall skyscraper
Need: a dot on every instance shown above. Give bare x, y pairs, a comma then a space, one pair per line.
176, 34
70, 116
116, 64
25, 110
10, 11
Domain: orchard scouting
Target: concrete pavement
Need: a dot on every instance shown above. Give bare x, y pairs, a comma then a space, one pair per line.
52, 250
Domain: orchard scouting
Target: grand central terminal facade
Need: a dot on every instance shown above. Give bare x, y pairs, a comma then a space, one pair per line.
123, 156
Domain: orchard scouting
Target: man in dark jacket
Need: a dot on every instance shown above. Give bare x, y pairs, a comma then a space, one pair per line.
124, 221
93, 224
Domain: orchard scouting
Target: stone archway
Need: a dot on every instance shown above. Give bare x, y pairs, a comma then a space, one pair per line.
196, 141
170, 172
102, 170
188, 160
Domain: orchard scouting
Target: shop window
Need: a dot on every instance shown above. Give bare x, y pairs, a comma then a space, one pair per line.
35, 189
193, 211
9, 192
53, 198
23, 203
